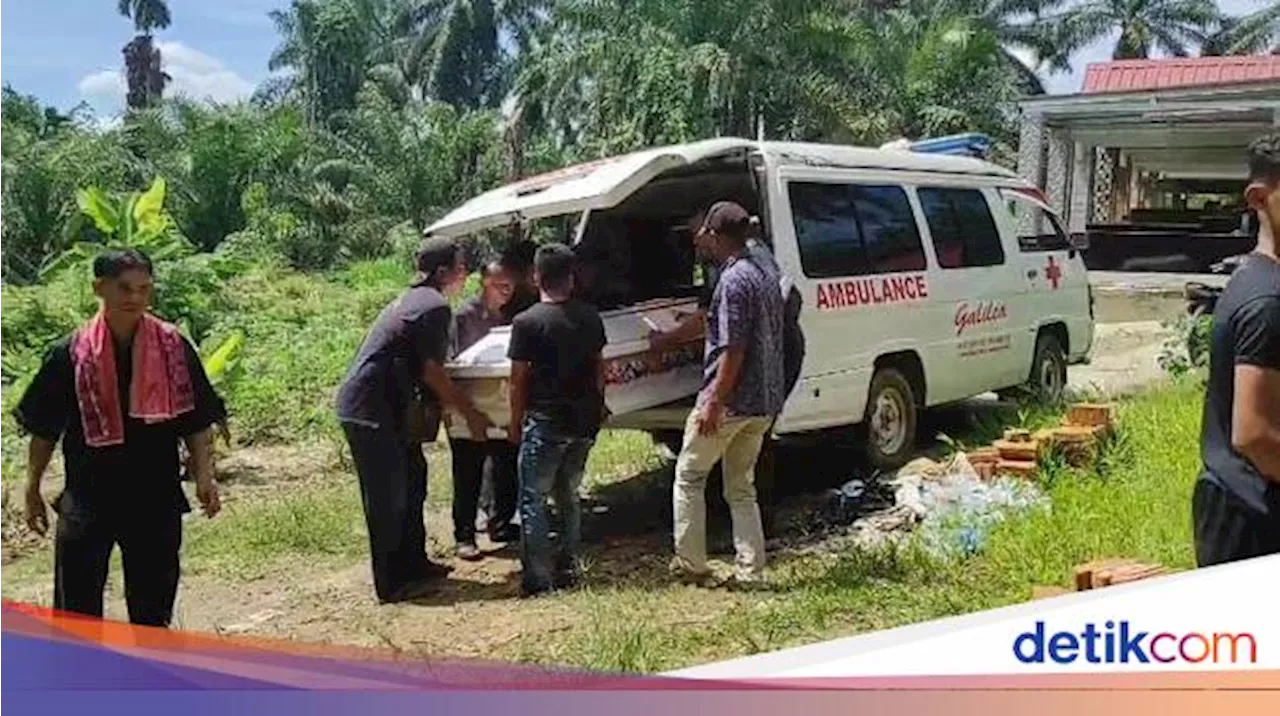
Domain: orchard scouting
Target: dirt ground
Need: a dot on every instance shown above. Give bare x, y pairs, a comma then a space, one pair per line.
1124, 358
478, 613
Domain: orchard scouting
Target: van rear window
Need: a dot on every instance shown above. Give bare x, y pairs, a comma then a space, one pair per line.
964, 233
854, 229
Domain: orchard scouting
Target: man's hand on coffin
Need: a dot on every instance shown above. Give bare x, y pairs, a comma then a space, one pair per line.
710, 416
660, 341
478, 423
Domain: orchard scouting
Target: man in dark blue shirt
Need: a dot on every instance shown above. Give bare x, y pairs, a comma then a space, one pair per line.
379, 408
470, 455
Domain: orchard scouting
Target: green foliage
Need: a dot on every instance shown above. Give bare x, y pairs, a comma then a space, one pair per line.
122, 221
1143, 26
188, 285
1187, 349
299, 333
385, 114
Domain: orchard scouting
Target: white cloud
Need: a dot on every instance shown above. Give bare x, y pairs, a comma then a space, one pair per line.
193, 74
177, 54
102, 85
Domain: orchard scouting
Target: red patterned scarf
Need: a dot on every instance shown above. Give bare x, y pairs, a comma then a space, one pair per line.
160, 389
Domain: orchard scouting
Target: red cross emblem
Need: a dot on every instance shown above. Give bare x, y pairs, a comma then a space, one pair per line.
1053, 272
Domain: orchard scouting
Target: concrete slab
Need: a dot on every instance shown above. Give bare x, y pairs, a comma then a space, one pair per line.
1124, 359
1147, 282
1122, 297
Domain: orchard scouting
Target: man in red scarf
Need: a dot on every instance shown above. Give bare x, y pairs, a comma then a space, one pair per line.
120, 393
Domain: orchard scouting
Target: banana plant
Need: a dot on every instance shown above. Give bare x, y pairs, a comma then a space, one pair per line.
221, 366
224, 358
131, 221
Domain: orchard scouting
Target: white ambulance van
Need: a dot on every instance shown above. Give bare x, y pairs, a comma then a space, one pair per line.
926, 279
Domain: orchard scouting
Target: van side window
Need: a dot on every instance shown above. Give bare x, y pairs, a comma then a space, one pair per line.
854, 229
964, 233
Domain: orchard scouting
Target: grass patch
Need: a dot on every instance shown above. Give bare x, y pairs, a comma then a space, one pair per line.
1136, 504
247, 539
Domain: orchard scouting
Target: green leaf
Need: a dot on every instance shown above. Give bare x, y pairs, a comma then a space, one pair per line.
216, 365
77, 256
148, 208
104, 211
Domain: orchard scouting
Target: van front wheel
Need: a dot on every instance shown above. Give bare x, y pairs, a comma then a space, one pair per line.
1049, 370
890, 419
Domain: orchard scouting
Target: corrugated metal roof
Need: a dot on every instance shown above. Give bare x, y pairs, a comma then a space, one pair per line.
1139, 75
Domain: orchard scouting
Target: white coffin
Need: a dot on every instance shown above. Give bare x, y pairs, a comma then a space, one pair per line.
636, 376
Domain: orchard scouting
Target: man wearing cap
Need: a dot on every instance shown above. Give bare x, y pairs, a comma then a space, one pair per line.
380, 412
692, 326
742, 393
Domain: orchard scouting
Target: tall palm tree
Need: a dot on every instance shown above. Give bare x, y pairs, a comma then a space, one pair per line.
1247, 35
329, 45
1017, 25
1171, 26
449, 50
618, 75
145, 78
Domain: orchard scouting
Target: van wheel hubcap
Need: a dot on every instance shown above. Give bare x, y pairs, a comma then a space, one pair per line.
1050, 383
888, 422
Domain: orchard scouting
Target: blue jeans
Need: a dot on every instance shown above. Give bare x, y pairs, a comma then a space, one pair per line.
549, 464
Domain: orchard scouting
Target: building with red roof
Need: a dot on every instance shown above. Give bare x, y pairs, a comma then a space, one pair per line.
1152, 150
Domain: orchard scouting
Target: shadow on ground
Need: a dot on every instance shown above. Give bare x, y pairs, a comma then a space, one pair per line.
626, 527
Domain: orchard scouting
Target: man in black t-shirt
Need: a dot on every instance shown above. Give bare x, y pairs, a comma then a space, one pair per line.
377, 406
120, 393
557, 407
1236, 504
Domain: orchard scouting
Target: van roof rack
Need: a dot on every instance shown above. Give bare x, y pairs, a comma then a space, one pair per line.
969, 144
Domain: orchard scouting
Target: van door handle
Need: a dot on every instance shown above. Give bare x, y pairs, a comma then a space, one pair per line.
1031, 273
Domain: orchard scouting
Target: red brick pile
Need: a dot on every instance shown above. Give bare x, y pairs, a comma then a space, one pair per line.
1020, 452
1102, 573
1107, 572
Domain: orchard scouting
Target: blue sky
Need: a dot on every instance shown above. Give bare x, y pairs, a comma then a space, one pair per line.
66, 51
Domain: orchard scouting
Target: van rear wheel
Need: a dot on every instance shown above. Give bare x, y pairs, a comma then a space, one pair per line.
890, 419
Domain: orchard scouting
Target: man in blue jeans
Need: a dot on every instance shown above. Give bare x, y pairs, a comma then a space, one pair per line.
557, 406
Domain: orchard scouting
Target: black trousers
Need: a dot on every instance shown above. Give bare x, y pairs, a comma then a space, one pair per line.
1227, 530
393, 489
149, 546
470, 457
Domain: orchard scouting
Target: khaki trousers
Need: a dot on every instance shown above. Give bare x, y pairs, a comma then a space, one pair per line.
737, 445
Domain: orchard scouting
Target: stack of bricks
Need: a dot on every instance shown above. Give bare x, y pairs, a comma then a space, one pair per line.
1102, 573
1077, 438
1018, 453
1108, 572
